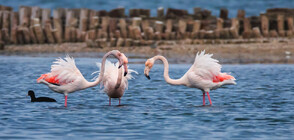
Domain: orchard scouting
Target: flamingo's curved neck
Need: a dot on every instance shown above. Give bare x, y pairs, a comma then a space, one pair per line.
165, 73
98, 80
119, 78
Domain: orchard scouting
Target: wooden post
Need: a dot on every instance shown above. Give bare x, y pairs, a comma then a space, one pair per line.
112, 27
224, 14
219, 23
93, 19
128, 42
70, 26
36, 13
137, 33
0, 20
105, 24
234, 30
241, 14
264, 25
160, 12
136, 21
225, 33
169, 28
150, 33
48, 32
26, 33
102, 43
57, 23
5, 35
112, 42
117, 13
84, 13
182, 26
6, 20
91, 35
39, 32
280, 20
290, 24
247, 28
273, 33
24, 14
33, 35
101, 34
13, 35
120, 42
158, 26
196, 29
145, 25
19, 34
94, 22
123, 27
46, 15
197, 13
256, 32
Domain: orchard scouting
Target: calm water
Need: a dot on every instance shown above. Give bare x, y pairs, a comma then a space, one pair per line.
259, 106
252, 7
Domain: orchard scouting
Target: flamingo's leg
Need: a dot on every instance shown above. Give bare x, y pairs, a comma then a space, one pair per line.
203, 98
65, 100
118, 101
109, 101
209, 98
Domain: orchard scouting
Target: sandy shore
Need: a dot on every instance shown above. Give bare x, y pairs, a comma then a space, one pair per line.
274, 51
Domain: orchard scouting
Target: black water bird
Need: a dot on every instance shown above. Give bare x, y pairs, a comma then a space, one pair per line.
39, 99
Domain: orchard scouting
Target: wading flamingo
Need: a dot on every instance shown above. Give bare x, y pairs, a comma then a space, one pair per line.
66, 78
113, 81
205, 74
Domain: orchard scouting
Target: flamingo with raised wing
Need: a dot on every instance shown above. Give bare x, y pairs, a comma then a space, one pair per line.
113, 81
205, 74
66, 78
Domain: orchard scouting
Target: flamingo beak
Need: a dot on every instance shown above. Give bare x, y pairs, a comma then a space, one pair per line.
148, 77
120, 66
146, 72
126, 69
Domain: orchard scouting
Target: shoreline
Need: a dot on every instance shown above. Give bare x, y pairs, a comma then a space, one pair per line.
274, 51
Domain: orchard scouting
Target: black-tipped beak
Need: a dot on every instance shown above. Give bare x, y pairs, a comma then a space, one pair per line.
125, 74
119, 66
148, 77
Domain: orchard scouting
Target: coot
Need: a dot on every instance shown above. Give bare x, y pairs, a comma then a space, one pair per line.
39, 99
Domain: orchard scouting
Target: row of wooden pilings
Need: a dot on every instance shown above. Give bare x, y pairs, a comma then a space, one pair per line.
34, 25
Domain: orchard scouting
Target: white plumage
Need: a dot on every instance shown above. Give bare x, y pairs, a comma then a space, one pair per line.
66, 70
205, 66
110, 77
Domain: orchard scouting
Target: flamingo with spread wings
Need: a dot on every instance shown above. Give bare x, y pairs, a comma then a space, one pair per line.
66, 78
205, 74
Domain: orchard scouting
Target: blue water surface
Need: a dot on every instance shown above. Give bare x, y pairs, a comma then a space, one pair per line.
260, 106
252, 7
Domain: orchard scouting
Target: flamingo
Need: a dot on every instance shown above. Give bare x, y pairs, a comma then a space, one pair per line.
205, 74
66, 78
113, 81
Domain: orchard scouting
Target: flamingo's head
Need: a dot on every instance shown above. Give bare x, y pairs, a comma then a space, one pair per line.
148, 65
123, 60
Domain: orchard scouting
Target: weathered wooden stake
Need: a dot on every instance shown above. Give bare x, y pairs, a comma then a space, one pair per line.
264, 25
281, 30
